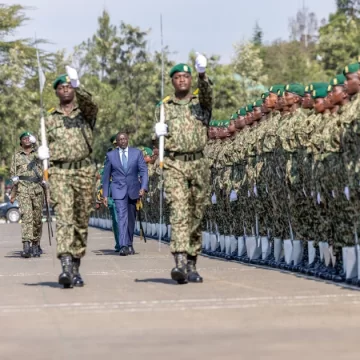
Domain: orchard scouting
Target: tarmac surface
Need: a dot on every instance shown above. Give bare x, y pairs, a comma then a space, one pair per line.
131, 309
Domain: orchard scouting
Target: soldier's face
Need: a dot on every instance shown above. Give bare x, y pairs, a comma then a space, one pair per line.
271, 101
338, 94
181, 81
147, 159
352, 83
264, 108
211, 132
249, 118
328, 101
257, 114
240, 122
25, 141
280, 103
319, 105
232, 127
122, 141
65, 92
308, 102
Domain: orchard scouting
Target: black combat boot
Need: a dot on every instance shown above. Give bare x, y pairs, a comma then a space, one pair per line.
35, 250
66, 277
77, 280
193, 275
179, 272
26, 253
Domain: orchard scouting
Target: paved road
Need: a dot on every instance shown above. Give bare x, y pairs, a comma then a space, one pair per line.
130, 309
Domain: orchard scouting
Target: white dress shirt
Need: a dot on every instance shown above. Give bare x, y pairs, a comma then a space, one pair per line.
126, 154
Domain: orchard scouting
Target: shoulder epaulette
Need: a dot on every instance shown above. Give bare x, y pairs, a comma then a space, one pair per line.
164, 100
196, 92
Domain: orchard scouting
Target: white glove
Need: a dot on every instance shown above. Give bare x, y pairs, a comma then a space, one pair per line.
161, 129
15, 179
43, 152
233, 196
73, 75
32, 139
200, 63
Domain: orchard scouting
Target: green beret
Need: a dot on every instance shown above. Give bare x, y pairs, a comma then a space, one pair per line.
62, 79
26, 133
258, 103
352, 68
147, 151
242, 111
275, 88
234, 116
180, 68
280, 92
320, 92
101, 171
265, 95
339, 79
113, 139
249, 108
295, 88
226, 123
316, 85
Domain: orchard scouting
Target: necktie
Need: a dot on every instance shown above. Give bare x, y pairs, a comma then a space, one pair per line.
124, 160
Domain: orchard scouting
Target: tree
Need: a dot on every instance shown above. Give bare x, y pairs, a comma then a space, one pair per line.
248, 65
257, 35
350, 8
339, 42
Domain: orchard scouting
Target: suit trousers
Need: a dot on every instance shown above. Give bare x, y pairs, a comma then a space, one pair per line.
126, 214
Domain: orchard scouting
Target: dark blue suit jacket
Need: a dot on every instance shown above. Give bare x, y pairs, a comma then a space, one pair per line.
125, 182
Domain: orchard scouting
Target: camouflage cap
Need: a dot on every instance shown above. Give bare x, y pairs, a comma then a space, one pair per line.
26, 133
338, 80
257, 103
180, 68
295, 88
62, 79
351, 68
275, 88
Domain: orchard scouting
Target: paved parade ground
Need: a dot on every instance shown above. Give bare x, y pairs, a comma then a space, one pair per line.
130, 309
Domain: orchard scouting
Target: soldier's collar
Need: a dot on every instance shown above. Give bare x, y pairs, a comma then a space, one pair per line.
184, 101
60, 111
22, 151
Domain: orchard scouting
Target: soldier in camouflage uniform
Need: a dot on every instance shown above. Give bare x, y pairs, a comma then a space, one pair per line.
69, 130
186, 171
26, 172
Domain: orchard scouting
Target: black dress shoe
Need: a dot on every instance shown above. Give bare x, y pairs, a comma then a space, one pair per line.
131, 250
117, 250
124, 251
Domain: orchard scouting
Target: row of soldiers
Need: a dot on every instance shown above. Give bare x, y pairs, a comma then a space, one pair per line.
287, 165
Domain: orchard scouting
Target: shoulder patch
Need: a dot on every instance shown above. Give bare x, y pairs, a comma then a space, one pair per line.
51, 110
196, 92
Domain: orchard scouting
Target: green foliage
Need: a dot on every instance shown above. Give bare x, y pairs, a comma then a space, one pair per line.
339, 42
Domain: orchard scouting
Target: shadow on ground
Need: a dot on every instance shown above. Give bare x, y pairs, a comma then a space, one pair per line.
157, 281
45, 283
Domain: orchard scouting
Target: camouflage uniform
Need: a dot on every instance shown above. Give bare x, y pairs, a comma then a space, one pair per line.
72, 173
186, 183
29, 194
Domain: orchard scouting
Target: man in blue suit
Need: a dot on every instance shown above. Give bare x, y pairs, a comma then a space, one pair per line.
124, 165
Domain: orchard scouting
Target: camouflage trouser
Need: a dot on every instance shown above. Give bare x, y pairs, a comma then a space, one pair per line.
31, 206
187, 189
72, 199
342, 213
275, 173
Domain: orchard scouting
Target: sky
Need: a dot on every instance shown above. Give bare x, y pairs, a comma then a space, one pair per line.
207, 26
